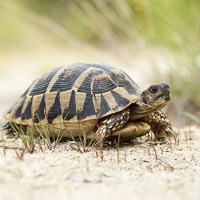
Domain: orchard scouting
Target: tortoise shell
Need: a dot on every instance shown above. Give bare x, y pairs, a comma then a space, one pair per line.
74, 93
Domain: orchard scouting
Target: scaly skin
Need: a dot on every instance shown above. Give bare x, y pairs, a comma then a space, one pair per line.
111, 124
147, 109
160, 124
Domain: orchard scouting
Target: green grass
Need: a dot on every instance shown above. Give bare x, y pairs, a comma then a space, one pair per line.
84, 145
34, 137
47, 135
28, 138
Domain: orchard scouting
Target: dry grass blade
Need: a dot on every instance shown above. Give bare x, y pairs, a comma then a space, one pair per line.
85, 145
30, 140
148, 149
27, 139
79, 149
20, 155
47, 135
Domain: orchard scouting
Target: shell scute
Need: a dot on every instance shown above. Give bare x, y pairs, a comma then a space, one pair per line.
67, 78
38, 108
53, 108
26, 111
69, 112
41, 84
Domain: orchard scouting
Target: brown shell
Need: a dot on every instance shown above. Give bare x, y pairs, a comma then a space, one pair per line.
78, 92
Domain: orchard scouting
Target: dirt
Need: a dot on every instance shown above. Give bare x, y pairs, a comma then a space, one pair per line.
134, 171
139, 171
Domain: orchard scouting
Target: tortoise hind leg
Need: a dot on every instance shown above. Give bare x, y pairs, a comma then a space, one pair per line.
111, 124
10, 127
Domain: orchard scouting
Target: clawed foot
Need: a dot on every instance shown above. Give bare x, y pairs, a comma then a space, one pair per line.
8, 128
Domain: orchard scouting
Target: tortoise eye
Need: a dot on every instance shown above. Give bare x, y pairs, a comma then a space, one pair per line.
154, 90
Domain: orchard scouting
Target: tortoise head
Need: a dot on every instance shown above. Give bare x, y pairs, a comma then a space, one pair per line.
151, 100
156, 96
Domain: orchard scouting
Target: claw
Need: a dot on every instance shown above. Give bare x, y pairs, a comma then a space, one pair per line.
6, 126
9, 131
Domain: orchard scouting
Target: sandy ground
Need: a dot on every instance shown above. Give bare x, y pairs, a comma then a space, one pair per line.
64, 173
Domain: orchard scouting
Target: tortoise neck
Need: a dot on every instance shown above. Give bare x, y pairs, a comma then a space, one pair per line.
140, 110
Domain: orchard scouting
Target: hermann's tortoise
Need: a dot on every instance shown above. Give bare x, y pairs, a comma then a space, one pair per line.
92, 99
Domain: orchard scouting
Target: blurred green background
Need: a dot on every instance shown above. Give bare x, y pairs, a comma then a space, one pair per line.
152, 40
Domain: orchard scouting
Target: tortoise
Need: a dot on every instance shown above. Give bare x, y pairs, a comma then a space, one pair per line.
93, 99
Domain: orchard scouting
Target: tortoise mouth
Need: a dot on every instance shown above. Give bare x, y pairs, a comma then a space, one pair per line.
165, 97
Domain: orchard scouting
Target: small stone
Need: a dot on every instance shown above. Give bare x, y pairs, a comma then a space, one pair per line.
168, 150
107, 174
168, 168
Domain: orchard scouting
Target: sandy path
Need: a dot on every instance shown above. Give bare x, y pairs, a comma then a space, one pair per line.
68, 174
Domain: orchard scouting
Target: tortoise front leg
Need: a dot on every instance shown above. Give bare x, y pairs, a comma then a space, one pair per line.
160, 124
111, 124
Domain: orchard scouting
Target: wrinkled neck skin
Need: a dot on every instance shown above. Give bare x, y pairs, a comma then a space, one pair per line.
140, 109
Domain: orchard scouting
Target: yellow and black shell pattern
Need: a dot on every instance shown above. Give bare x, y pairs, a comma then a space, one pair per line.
75, 93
